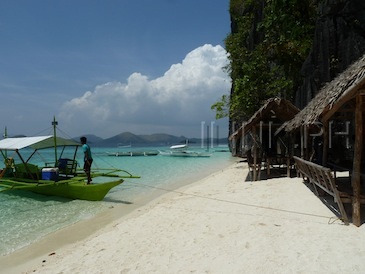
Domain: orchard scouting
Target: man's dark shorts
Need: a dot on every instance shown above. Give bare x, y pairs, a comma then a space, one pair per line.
87, 165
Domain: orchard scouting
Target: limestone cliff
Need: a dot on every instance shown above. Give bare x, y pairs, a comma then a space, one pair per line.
339, 40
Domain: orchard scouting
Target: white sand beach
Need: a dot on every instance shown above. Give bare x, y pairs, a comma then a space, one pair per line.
220, 224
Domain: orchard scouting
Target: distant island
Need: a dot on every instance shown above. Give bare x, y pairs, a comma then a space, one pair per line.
158, 139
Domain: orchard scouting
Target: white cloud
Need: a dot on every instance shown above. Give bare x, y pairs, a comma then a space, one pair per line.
181, 98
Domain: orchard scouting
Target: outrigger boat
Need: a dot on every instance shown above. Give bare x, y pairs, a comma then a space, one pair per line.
61, 177
133, 153
182, 151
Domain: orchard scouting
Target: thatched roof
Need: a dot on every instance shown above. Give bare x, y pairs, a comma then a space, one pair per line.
331, 97
283, 110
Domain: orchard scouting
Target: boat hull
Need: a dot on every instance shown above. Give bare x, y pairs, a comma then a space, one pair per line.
133, 153
72, 190
184, 154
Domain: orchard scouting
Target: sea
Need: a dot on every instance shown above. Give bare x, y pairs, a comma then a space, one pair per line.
28, 217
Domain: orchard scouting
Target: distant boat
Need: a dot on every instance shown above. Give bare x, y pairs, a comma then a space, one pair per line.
185, 153
175, 147
222, 150
133, 153
182, 151
121, 145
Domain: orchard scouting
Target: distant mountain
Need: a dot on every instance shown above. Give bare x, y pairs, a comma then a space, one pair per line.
91, 139
163, 138
128, 138
157, 139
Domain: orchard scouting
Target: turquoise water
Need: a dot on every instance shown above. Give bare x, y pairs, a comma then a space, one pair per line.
27, 217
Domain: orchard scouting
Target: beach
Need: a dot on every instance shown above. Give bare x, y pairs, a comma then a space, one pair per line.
223, 223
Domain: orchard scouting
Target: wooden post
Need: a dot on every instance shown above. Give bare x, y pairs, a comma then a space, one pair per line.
302, 142
254, 147
289, 154
325, 143
288, 166
356, 172
306, 136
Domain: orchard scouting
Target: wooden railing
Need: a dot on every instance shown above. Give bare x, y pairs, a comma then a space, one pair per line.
322, 177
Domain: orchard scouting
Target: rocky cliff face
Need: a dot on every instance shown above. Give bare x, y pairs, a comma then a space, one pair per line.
339, 40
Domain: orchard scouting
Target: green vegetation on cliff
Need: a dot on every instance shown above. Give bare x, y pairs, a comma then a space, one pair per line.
268, 43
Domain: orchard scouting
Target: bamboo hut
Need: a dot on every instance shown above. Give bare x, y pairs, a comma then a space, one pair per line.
255, 139
339, 109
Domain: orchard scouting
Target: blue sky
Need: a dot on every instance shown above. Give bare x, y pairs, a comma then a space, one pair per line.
106, 67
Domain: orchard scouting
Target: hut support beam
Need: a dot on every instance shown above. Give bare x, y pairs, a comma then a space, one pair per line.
356, 176
254, 154
325, 143
304, 142
301, 142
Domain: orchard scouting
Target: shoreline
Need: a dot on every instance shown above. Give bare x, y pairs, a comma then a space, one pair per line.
219, 224
83, 229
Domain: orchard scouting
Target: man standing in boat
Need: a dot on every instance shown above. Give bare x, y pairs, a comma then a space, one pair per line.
88, 160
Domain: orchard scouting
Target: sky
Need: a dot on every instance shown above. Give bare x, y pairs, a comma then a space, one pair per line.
104, 67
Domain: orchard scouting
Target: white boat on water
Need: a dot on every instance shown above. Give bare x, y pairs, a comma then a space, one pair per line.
182, 151
133, 153
186, 153
179, 147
